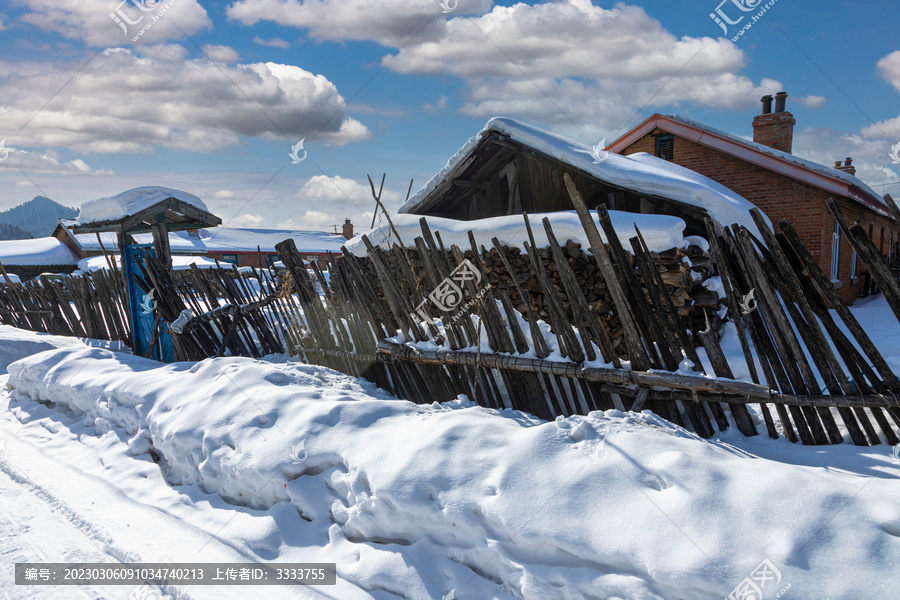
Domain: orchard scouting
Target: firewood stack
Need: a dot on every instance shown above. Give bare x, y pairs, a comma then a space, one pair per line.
683, 271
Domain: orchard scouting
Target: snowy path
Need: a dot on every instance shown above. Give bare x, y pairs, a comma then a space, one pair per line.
284, 462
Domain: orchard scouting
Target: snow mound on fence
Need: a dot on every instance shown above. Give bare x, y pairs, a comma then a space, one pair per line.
40, 251
131, 202
661, 232
179, 263
415, 501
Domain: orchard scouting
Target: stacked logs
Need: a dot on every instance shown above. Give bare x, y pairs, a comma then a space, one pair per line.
683, 271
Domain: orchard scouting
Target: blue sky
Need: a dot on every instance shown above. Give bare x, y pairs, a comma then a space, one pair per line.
213, 95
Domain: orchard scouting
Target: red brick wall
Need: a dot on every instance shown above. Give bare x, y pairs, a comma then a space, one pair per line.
783, 198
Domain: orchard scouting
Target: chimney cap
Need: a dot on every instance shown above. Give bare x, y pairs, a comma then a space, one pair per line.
767, 97
848, 161
782, 93
837, 164
346, 221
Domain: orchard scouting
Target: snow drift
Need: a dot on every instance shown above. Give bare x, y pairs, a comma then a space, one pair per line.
414, 501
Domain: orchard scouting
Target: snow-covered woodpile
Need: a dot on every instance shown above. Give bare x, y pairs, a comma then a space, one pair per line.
683, 271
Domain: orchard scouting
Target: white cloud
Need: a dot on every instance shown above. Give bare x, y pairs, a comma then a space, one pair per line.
37, 162
164, 52
889, 67
273, 43
441, 104
224, 195
311, 219
221, 54
813, 101
390, 22
871, 157
90, 21
583, 69
321, 188
121, 102
246, 220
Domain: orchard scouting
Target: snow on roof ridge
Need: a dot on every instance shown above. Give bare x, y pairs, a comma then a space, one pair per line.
786, 156
131, 202
644, 176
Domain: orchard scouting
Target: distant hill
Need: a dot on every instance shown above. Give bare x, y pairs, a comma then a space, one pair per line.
11, 232
38, 216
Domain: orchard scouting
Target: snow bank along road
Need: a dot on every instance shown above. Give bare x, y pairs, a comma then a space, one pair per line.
107, 456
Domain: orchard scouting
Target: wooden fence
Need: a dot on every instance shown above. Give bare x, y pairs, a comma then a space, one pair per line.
776, 295
430, 323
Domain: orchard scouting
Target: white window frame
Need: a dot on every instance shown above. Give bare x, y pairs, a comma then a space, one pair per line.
836, 252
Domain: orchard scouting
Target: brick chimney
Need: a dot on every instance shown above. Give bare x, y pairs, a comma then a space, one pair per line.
348, 229
847, 167
775, 129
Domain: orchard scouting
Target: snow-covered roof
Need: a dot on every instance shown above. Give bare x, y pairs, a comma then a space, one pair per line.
219, 239
132, 202
852, 186
40, 251
661, 232
640, 175
179, 263
230, 239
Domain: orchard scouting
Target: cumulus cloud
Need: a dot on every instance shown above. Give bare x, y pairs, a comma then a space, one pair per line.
311, 219
273, 43
123, 102
90, 20
441, 104
224, 195
582, 68
14, 159
389, 22
247, 220
871, 157
221, 54
813, 101
889, 67
322, 188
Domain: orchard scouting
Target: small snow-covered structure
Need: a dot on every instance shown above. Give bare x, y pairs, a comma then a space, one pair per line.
511, 167
154, 210
29, 258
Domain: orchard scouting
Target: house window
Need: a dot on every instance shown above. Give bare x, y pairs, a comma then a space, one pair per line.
230, 258
853, 259
665, 147
835, 251
271, 259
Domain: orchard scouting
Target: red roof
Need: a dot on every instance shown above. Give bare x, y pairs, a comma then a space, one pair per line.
825, 178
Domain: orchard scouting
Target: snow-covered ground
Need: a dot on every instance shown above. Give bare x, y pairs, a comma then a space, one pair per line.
110, 457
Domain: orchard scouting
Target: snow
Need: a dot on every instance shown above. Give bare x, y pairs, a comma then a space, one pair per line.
280, 461
661, 232
788, 157
38, 251
640, 175
132, 202
224, 239
221, 239
179, 263
10, 277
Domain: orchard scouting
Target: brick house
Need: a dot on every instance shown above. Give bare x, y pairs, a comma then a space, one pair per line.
784, 186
